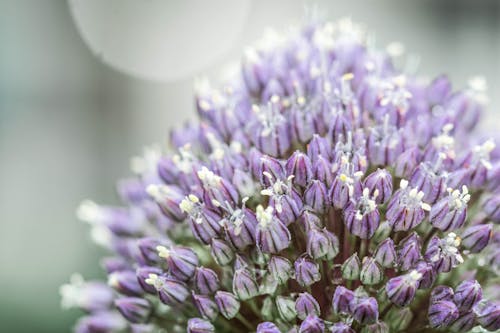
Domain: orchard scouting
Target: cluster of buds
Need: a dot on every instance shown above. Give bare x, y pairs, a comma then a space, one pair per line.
321, 190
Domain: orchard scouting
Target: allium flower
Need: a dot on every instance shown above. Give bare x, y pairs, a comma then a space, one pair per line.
321, 190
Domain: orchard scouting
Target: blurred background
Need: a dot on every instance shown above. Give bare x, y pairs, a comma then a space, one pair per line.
84, 85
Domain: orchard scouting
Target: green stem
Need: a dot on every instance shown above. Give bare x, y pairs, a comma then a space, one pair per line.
245, 322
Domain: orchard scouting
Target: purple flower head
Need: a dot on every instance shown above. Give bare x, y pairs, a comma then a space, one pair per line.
272, 235
206, 281
379, 184
206, 307
477, 237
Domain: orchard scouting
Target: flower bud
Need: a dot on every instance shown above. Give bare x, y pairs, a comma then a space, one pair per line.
442, 314
134, 309
464, 323
351, 268
101, 322
125, 282
385, 254
362, 217
168, 199
267, 327
143, 273
477, 237
491, 206
428, 274
318, 146
272, 235
244, 284
406, 162
319, 244
306, 271
221, 252
441, 293
342, 300
148, 248
280, 269
170, 291
409, 252
450, 212
371, 272
401, 289
378, 327
312, 324
399, 319
286, 308
366, 311
206, 307
341, 327
488, 315
379, 184
181, 261
467, 294
227, 303
197, 325
406, 209
299, 165
306, 305
206, 281
316, 196
322, 171
115, 264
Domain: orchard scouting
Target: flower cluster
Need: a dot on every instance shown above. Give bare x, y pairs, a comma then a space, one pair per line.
322, 190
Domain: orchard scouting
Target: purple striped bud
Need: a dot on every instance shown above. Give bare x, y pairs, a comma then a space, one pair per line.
198, 325
101, 322
284, 199
280, 269
170, 291
206, 307
491, 206
477, 237
444, 253
319, 146
366, 311
406, 162
341, 327
384, 144
488, 314
272, 235
221, 252
309, 220
345, 187
379, 184
306, 305
322, 171
267, 327
227, 303
143, 273
181, 261
306, 271
406, 209
385, 254
244, 284
342, 300
428, 274
240, 227
409, 252
378, 327
467, 294
362, 217
125, 282
168, 198
401, 289
299, 165
132, 190
312, 324
399, 319
351, 267
321, 244
134, 309
269, 165
206, 281
429, 180
464, 323
244, 183
441, 293
114, 264
204, 222
442, 314
286, 308
316, 196
147, 246
450, 212
371, 272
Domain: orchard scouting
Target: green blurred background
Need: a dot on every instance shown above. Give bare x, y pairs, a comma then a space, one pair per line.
70, 121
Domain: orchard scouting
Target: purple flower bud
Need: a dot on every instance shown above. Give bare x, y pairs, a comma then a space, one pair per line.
268, 165
299, 165
319, 146
89, 296
286, 308
197, 325
272, 235
244, 284
312, 324
379, 184
221, 252
438, 90
114, 264
240, 228
280, 269
341, 327
227, 303
170, 291
351, 267
306, 271
125, 282
101, 322
406, 209
132, 190
134, 309
399, 319
147, 246
206, 307
464, 323
428, 274
378, 327
168, 198
409, 252
450, 212
491, 206
316, 196
477, 237
385, 254
441, 293
306, 305
384, 144
322, 171
401, 289
319, 244
206, 281
444, 253
204, 223
488, 314
406, 162
342, 300
442, 314
362, 217
143, 273
344, 187
181, 261
371, 272
366, 311
267, 327
467, 294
